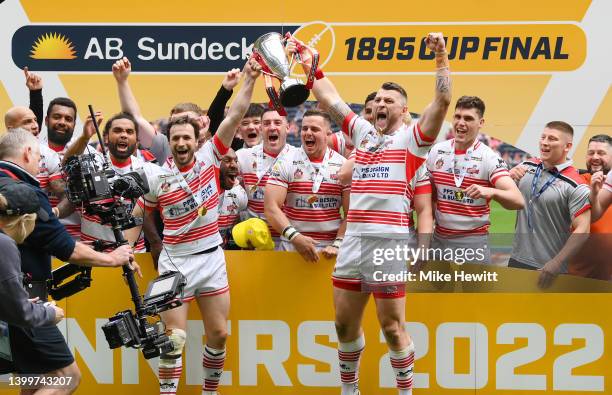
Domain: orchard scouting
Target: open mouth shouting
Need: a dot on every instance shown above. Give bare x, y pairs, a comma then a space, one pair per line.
381, 119
309, 143
182, 155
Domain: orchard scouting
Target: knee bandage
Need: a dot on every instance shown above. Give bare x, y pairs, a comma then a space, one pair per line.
177, 337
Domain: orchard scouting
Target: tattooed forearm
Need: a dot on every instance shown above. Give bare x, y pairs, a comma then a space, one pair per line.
338, 112
443, 82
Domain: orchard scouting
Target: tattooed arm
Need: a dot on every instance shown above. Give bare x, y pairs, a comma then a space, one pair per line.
433, 115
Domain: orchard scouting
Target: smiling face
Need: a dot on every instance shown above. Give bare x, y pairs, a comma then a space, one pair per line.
598, 157
60, 124
466, 126
250, 130
274, 131
554, 146
389, 110
183, 144
122, 138
314, 136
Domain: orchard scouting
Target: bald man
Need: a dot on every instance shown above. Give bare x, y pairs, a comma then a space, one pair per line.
49, 175
21, 117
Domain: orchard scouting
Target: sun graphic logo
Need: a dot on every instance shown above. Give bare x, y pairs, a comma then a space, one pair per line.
53, 46
319, 35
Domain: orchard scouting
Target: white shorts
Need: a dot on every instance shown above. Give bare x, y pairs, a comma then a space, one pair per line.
355, 266
205, 273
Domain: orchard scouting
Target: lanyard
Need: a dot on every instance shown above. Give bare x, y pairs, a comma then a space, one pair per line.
320, 172
464, 166
185, 185
536, 195
261, 173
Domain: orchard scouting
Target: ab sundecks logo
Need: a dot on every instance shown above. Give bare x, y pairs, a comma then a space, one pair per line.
177, 48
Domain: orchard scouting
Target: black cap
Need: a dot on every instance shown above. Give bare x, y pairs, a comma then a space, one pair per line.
21, 199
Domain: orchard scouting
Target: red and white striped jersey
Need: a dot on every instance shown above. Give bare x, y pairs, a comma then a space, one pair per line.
232, 203
188, 200
314, 193
255, 166
608, 182
72, 223
456, 214
49, 167
385, 169
92, 229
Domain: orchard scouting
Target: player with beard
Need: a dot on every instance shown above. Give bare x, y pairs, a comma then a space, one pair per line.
186, 193
303, 196
466, 175
593, 260
60, 122
121, 136
555, 222
388, 155
256, 163
233, 200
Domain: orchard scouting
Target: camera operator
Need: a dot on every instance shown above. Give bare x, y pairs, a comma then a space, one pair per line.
19, 208
121, 137
19, 157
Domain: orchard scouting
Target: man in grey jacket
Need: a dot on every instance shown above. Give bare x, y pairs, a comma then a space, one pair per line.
19, 207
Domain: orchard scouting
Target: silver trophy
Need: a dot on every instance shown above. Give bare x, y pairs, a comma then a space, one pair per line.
269, 51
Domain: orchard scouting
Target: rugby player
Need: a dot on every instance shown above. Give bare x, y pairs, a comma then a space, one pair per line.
303, 196
187, 195
388, 155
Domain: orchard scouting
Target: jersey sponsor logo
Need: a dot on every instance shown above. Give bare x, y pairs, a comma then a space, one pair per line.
165, 187
375, 172
473, 170
439, 163
320, 202
456, 195
298, 174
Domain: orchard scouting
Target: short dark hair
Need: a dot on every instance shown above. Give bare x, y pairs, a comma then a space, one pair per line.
469, 102
369, 97
270, 109
186, 107
601, 138
121, 115
561, 126
318, 113
64, 102
254, 110
392, 86
184, 120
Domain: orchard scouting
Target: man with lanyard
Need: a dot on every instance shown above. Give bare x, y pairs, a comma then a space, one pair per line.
256, 163
555, 223
121, 136
187, 194
19, 159
303, 196
233, 199
388, 155
466, 175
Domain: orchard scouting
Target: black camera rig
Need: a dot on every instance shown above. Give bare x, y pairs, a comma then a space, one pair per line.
93, 185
